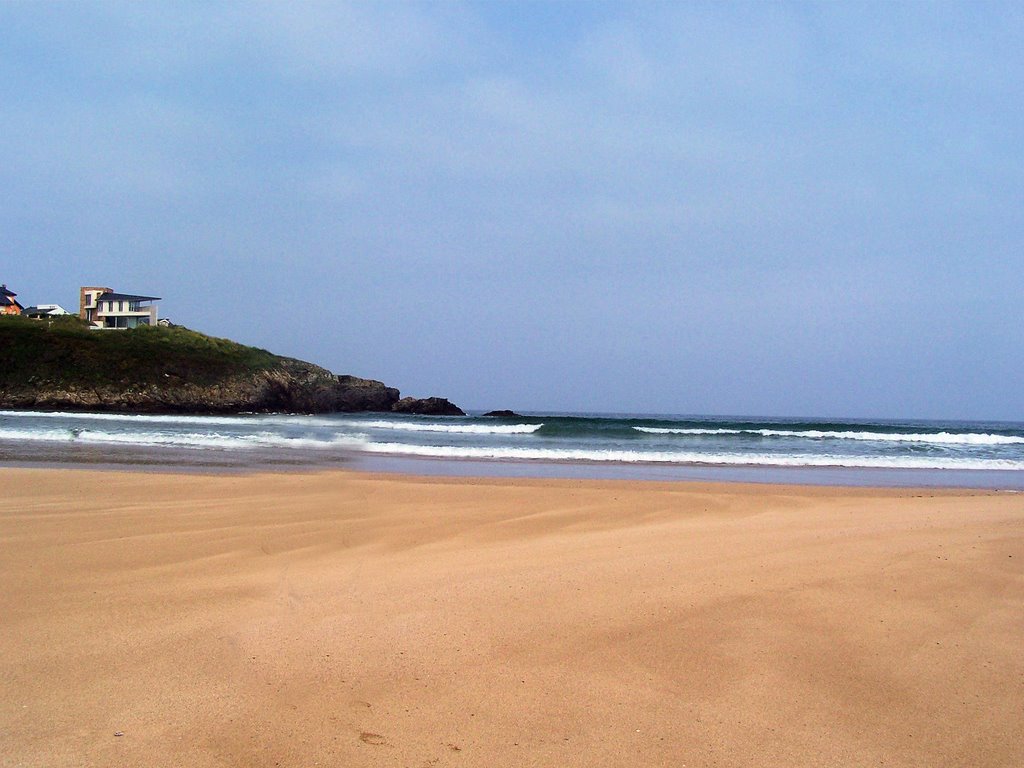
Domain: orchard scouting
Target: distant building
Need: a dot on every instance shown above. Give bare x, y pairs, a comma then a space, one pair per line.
105, 308
8, 304
45, 310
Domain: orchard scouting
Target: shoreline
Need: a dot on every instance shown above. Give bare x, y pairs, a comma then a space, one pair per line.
851, 452
345, 618
210, 461
339, 472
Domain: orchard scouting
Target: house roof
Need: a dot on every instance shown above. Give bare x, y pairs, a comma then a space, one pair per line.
108, 296
6, 301
4, 291
45, 309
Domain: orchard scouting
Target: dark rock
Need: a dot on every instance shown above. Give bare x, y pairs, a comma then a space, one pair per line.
427, 406
355, 394
503, 414
305, 388
292, 386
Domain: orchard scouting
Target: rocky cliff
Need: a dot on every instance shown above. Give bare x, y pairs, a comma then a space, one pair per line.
63, 366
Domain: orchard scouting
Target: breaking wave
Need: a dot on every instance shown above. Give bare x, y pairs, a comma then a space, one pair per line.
170, 418
607, 440
456, 429
935, 438
183, 439
688, 458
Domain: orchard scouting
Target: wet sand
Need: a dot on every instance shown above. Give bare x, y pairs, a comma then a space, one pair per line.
346, 619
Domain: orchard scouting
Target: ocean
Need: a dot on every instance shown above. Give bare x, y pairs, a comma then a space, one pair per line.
822, 451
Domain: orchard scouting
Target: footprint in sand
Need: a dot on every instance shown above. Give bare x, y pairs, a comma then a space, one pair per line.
372, 738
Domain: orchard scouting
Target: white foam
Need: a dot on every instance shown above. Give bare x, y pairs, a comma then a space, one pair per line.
359, 442
689, 458
459, 429
182, 439
282, 420
133, 418
937, 438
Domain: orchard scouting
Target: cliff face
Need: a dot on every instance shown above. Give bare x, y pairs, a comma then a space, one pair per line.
60, 366
290, 387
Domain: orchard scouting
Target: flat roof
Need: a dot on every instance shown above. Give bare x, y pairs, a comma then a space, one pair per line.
125, 297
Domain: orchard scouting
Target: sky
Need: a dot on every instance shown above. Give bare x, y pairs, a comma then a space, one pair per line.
805, 209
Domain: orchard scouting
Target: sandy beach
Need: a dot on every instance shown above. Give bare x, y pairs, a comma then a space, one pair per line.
345, 619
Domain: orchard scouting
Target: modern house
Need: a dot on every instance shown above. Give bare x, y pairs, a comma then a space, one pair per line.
105, 308
8, 304
41, 311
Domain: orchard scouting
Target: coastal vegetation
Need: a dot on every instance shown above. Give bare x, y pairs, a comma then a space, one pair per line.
62, 364
65, 352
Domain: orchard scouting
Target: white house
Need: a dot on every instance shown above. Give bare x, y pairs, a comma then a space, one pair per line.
40, 311
105, 308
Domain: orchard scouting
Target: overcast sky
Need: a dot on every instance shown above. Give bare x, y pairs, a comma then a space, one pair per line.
764, 209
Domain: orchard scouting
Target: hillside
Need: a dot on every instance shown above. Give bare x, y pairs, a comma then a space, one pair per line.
61, 364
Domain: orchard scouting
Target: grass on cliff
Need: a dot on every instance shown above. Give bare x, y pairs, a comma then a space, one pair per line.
64, 352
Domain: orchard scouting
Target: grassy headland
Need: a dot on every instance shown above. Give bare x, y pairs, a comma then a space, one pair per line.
65, 352
62, 364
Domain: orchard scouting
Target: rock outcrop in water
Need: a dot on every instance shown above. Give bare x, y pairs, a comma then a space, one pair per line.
428, 406
63, 366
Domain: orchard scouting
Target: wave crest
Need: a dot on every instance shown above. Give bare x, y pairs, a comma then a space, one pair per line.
688, 458
196, 440
936, 438
458, 429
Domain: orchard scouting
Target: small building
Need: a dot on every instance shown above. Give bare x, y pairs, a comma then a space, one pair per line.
106, 308
41, 311
8, 304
